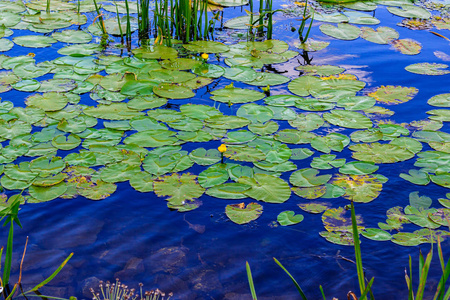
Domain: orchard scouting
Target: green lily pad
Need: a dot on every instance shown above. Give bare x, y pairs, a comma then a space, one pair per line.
314, 207
289, 217
34, 41
255, 113
428, 69
332, 142
232, 190
416, 176
376, 234
266, 188
11, 129
382, 35
5, 45
66, 143
244, 153
209, 70
98, 190
72, 36
407, 46
180, 188
348, 119
394, 94
310, 193
263, 129
334, 219
236, 95
380, 153
173, 91
359, 188
291, 136
142, 182
356, 102
307, 122
226, 122
308, 178
206, 47
241, 214
343, 31
441, 100
408, 239
113, 111
43, 194
213, 176
204, 157
312, 45
48, 101
265, 79
410, 11
326, 162
344, 238
358, 168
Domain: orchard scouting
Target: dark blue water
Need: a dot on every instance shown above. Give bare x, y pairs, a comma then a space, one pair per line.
201, 254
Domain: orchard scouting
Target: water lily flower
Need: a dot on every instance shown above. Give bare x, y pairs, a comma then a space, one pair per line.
222, 148
31, 54
205, 56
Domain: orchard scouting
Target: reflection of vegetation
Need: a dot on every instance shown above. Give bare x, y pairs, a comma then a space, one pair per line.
10, 212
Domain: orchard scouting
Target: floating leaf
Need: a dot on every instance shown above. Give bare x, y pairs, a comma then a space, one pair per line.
289, 217
308, 178
179, 187
428, 69
266, 188
96, 190
314, 207
310, 193
394, 94
206, 47
348, 119
232, 190
358, 168
236, 95
343, 31
241, 214
380, 153
407, 46
244, 153
213, 176
359, 188
410, 11
376, 234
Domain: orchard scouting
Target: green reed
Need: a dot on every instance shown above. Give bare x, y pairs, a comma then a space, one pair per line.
186, 20
100, 19
264, 19
143, 7
47, 10
305, 17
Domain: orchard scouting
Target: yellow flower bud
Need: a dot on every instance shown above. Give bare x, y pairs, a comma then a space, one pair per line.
31, 54
222, 148
205, 56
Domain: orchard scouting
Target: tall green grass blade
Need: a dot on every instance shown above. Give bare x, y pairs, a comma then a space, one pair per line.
8, 254
358, 257
292, 278
250, 281
368, 288
409, 281
321, 291
118, 22
424, 275
51, 276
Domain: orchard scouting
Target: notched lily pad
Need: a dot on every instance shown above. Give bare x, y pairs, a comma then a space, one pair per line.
241, 214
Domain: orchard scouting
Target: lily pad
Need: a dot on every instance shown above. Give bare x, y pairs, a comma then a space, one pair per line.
359, 188
232, 190
266, 188
382, 35
241, 214
289, 217
308, 178
428, 69
348, 119
407, 46
236, 95
394, 94
380, 153
179, 188
343, 31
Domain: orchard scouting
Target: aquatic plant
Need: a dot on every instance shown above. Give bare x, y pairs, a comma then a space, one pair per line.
305, 17
10, 212
120, 291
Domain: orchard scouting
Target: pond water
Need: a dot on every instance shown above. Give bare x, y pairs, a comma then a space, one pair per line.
195, 249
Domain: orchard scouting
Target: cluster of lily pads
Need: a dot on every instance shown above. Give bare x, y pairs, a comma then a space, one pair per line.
58, 146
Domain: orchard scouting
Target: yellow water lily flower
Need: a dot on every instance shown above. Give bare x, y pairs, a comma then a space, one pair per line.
222, 148
31, 54
205, 56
